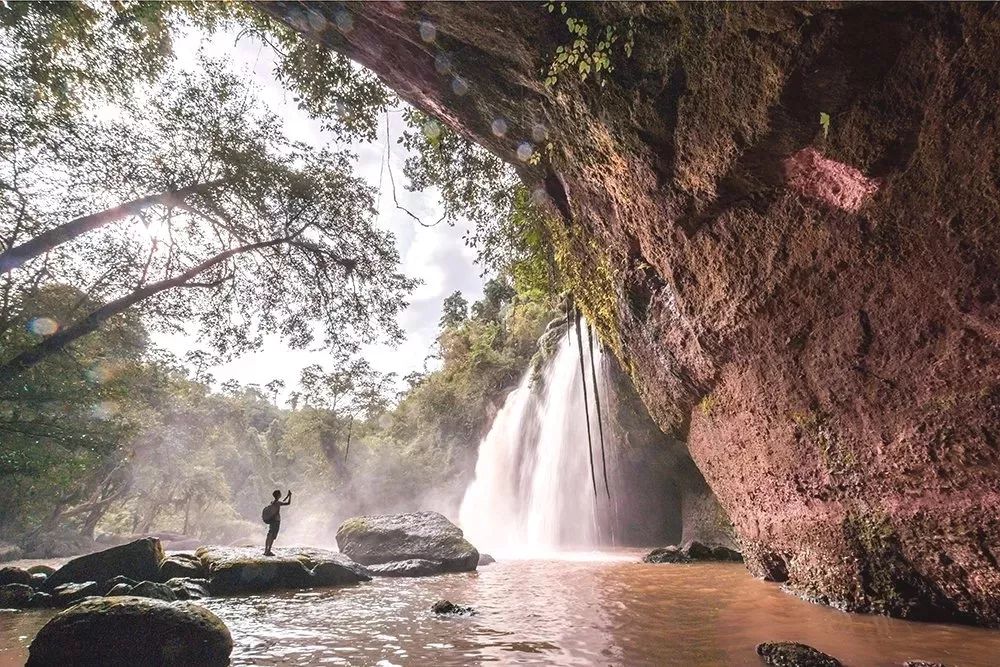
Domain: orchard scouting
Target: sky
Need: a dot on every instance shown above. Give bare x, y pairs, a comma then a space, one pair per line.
435, 255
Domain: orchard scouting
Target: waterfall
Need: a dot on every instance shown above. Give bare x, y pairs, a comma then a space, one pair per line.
532, 491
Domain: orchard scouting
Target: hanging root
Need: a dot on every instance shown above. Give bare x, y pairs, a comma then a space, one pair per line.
597, 402
586, 406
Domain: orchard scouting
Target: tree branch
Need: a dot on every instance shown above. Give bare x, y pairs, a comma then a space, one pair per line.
46, 241
89, 324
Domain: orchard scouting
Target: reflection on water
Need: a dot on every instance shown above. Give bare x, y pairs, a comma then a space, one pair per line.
582, 611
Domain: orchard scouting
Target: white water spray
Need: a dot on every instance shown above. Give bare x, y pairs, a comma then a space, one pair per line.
532, 493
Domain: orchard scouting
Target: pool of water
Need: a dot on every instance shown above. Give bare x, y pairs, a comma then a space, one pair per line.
587, 610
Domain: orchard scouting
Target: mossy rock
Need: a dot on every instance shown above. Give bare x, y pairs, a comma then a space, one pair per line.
427, 536
129, 631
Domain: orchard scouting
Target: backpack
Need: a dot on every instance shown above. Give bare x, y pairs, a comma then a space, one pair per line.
268, 514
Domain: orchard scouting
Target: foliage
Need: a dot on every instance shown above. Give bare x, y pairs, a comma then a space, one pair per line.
588, 52
824, 122
279, 237
454, 310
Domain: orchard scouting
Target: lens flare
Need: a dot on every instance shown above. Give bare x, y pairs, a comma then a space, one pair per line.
428, 32
539, 132
43, 326
459, 86
524, 151
499, 127
345, 22
432, 130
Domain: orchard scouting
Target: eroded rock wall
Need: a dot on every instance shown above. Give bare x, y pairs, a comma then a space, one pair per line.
817, 314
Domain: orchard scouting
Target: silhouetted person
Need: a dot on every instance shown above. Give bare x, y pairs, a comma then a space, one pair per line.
272, 517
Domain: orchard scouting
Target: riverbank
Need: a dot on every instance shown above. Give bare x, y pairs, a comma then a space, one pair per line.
567, 611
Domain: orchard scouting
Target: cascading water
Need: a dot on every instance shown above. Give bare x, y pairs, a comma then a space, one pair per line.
532, 492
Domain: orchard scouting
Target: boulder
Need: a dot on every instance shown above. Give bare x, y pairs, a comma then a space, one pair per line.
695, 550
117, 590
14, 575
155, 590
669, 554
131, 631
186, 566
247, 570
448, 607
139, 560
923, 663
66, 594
721, 552
414, 567
115, 582
41, 569
373, 540
486, 559
9, 552
15, 596
189, 589
38, 580
42, 600
793, 654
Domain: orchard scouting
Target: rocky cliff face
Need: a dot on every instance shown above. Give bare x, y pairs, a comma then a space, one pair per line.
816, 313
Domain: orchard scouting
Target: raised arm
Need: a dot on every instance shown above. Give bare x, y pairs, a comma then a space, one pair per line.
288, 499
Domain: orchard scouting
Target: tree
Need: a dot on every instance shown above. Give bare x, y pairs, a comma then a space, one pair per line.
269, 236
496, 294
454, 310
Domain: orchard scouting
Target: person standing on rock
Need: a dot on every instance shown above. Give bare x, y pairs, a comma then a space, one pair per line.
272, 517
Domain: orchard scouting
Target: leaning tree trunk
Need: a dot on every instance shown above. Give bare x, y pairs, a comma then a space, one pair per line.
783, 219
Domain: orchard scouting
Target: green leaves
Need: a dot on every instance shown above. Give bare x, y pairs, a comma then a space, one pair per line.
824, 122
584, 57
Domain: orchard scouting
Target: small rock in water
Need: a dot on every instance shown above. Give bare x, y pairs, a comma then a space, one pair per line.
448, 607
115, 582
189, 589
922, 663
118, 589
793, 654
486, 559
151, 589
67, 594
15, 596
671, 554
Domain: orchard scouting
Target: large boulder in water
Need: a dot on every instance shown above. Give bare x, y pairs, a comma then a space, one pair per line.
130, 631
14, 575
139, 560
247, 570
373, 540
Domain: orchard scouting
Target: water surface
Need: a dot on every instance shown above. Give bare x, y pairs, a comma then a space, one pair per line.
584, 611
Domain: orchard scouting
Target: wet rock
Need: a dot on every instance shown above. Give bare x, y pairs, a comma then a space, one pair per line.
448, 607
247, 570
695, 550
414, 567
118, 589
139, 560
14, 575
793, 654
373, 540
9, 552
486, 559
722, 553
189, 589
38, 580
42, 600
115, 582
131, 631
67, 594
670, 554
155, 590
42, 569
922, 663
15, 596
181, 565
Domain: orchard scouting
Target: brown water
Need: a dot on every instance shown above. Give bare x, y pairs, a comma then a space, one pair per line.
559, 612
